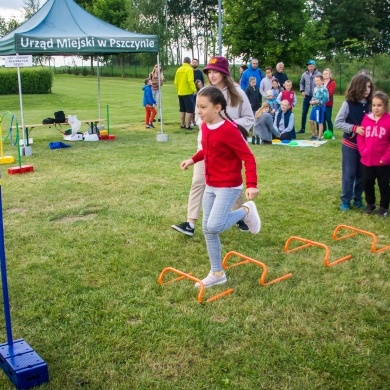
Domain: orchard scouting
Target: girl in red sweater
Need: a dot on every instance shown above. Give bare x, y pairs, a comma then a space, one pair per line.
374, 148
224, 149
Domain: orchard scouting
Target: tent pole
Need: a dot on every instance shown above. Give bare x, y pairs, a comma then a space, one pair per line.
160, 99
25, 136
7, 311
98, 75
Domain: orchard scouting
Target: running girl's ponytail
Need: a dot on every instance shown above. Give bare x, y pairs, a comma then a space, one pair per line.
242, 129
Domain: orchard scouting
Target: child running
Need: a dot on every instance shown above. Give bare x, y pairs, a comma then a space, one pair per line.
349, 119
374, 148
224, 148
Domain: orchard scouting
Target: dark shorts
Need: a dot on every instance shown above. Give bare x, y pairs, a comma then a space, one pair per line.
186, 104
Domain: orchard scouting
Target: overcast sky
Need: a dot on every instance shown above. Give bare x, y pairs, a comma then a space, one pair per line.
10, 8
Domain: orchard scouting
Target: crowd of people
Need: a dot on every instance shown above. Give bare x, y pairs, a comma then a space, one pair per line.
272, 87
226, 112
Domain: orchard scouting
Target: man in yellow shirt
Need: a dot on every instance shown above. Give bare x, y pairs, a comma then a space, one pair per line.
185, 86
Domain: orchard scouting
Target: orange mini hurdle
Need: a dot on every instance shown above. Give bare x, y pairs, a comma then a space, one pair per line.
356, 231
253, 261
189, 276
309, 243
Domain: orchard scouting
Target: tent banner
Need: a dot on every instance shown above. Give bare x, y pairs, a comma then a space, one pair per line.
85, 44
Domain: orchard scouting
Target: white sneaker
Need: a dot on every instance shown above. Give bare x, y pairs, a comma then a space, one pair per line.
211, 280
252, 219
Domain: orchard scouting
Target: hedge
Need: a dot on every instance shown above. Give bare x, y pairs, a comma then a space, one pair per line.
34, 81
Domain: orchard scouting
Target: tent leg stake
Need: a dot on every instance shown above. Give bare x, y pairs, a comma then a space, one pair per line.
162, 137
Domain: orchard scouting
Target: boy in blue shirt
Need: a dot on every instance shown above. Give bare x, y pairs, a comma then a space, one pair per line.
317, 115
149, 103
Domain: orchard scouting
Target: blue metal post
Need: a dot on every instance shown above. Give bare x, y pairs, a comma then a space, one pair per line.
7, 312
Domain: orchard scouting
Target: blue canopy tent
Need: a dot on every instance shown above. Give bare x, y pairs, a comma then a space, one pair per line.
62, 27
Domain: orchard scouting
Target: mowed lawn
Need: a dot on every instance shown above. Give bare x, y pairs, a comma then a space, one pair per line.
87, 235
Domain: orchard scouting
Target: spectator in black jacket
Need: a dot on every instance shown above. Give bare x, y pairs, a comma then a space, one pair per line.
253, 94
280, 75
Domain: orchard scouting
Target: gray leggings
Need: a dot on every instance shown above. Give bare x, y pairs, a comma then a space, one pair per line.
196, 192
218, 217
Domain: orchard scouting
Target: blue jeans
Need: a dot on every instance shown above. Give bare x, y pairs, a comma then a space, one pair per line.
218, 217
328, 119
351, 175
305, 110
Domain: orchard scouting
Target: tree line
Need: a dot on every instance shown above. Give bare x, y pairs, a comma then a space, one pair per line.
288, 30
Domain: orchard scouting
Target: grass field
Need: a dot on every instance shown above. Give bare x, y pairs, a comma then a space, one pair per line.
88, 233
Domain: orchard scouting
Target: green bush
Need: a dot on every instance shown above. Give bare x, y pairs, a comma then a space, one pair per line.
8, 82
34, 81
383, 85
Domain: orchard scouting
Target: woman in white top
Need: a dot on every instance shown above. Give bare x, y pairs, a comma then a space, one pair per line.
240, 110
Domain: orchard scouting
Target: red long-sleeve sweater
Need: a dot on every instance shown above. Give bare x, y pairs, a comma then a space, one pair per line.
331, 87
224, 150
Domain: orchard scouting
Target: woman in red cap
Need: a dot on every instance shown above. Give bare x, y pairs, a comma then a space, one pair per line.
240, 110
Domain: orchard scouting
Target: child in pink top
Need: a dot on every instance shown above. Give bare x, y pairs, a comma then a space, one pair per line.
374, 148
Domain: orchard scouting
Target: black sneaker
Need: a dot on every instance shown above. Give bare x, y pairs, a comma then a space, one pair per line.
382, 212
151, 125
242, 226
369, 209
301, 131
184, 228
